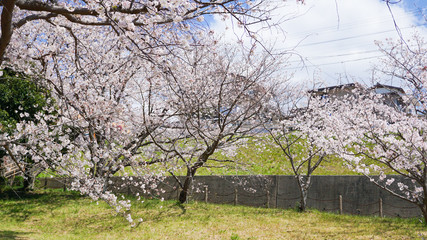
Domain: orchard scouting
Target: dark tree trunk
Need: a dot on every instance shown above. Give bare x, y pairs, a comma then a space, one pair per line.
30, 176
423, 207
186, 186
191, 171
424, 210
28, 183
6, 26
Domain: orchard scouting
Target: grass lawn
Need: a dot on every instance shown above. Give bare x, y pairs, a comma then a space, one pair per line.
59, 215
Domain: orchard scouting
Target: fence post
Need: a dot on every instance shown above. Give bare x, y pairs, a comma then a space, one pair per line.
206, 193
268, 199
381, 207
276, 193
235, 196
340, 204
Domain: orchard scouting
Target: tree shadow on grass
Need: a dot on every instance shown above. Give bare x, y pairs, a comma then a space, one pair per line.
12, 235
45, 195
172, 209
182, 207
21, 205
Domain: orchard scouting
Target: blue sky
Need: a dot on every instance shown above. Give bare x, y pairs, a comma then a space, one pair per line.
412, 4
418, 7
336, 38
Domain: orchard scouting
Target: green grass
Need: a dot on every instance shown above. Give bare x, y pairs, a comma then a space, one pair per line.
251, 159
254, 160
268, 159
59, 215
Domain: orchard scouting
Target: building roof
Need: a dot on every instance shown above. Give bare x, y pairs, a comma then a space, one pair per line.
393, 88
351, 86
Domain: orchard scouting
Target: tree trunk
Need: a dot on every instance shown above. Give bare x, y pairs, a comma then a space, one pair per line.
28, 183
186, 186
30, 177
303, 187
191, 171
303, 201
423, 207
6, 26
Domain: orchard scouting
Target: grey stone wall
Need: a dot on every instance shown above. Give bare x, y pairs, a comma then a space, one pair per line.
359, 195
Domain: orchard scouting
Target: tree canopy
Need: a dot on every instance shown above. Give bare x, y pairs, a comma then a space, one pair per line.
20, 99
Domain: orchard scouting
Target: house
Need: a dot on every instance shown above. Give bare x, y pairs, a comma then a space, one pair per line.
393, 96
335, 91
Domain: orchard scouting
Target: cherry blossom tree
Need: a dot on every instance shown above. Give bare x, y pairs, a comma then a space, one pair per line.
216, 100
376, 137
34, 29
97, 130
106, 64
297, 133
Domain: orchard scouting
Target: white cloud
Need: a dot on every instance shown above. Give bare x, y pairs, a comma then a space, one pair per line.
335, 37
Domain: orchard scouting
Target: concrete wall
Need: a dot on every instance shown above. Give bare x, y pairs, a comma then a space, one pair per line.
359, 195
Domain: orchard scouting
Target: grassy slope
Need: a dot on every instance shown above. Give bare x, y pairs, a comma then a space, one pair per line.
271, 161
57, 215
252, 159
